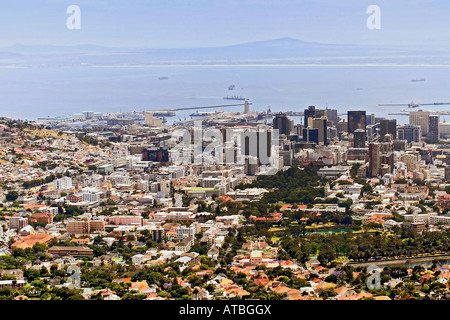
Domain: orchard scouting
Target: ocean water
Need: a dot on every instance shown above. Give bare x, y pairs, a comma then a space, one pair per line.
29, 93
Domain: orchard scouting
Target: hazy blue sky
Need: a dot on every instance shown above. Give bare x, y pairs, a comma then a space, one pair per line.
198, 23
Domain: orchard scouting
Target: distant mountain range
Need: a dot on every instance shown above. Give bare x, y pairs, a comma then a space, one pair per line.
277, 51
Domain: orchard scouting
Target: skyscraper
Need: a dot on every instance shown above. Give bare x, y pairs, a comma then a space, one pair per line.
388, 126
356, 120
321, 125
309, 113
359, 138
374, 159
420, 118
433, 128
257, 144
409, 132
370, 119
283, 123
250, 165
332, 115
311, 135
387, 152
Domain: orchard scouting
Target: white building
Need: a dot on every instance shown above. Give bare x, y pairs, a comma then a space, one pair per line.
137, 259
52, 210
134, 162
388, 179
184, 232
63, 183
90, 197
431, 218
17, 222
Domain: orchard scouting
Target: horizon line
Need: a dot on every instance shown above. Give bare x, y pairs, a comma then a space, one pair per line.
287, 38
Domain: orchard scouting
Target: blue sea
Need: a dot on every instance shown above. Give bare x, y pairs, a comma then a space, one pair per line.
29, 93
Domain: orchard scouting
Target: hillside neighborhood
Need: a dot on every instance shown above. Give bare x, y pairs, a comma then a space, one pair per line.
92, 216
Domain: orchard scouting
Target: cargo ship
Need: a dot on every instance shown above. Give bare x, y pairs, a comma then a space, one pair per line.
164, 114
202, 113
235, 98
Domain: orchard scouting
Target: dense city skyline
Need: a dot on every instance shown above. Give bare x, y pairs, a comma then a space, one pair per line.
244, 151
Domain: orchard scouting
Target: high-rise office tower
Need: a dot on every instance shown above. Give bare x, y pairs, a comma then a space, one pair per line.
374, 159
331, 114
433, 128
420, 118
370, 119
251, 165
388, 126
321, 125
356, 120
257, 144
331, 133
387, 151
298, 129
311, 135
283, 123
359, 138
409, 132
309, 113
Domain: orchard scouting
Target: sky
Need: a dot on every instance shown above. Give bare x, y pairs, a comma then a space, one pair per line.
206, 23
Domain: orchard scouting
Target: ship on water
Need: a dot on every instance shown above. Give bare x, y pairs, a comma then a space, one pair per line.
418, 80
163, 78
203, 113
234, 98
164, 114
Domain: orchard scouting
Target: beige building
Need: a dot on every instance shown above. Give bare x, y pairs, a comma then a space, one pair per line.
72, 251
411, 161
420, 118
78, 227
84, 226
185, 245
151, 120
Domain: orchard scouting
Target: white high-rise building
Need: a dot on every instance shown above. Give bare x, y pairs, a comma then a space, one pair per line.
91, 194
63, 183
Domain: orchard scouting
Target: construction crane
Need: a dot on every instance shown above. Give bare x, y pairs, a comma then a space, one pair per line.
413, 105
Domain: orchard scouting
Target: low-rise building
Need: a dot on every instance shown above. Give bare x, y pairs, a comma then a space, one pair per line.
185, 245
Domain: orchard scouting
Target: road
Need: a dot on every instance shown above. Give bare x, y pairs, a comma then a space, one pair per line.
400, 261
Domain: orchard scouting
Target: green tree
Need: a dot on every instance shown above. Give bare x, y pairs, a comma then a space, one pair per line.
12, 196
